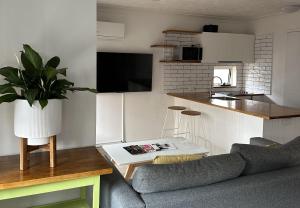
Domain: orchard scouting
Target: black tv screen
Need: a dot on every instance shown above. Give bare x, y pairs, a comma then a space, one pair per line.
124, 72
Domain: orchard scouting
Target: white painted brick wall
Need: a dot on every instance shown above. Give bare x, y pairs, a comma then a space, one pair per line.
258, 76
193, 77
197, 77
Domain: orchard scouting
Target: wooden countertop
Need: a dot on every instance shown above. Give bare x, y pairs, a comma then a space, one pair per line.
249, 107
249, 94
71, 164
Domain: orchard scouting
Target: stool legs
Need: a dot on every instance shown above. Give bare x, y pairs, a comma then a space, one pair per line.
177, 118
193, 128
190, 129
191, 119
164, 125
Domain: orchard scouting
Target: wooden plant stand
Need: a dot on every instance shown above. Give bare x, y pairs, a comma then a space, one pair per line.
26, 149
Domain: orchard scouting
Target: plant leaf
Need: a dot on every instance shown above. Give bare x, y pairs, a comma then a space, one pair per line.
7, 89
33, 57
62, 71
53, 62
8, 71
8, 98
82, 89
50, 73
62, 84
43, 103
31, 95
11, 75
31, 78
27, 63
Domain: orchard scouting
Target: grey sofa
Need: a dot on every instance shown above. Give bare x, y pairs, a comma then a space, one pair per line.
250, 177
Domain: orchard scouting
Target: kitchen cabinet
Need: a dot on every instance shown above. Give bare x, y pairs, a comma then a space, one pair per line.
227, 47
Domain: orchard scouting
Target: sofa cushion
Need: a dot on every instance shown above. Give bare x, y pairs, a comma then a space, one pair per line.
293, 149
261, 159
259, 141
157, 178
275, 189
171, 159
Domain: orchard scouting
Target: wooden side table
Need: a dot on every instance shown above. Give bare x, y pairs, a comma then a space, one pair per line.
76, 168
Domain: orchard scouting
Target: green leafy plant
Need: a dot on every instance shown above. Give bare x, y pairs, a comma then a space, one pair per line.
36, 81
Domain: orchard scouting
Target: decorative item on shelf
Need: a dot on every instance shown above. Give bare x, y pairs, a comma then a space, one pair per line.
163, 46
37, 90
190, 53
175, 31
180, 61
211, 28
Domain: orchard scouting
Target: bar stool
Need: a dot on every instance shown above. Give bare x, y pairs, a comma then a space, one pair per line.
177, 117
191, 121
189, 117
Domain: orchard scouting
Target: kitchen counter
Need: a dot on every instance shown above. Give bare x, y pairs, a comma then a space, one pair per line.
239, 94
250, 107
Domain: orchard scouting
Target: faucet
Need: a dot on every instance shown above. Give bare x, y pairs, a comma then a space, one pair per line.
211, 92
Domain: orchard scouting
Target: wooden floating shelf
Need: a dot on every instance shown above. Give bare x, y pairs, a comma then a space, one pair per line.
180, 61
182, 32
163, 46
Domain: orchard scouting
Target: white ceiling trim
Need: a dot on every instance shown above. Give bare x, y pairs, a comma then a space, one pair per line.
108, 6
216, 9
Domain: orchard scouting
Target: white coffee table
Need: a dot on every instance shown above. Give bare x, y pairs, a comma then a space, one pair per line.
119, 156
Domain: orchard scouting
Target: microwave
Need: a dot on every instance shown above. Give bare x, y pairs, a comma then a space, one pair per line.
190, 53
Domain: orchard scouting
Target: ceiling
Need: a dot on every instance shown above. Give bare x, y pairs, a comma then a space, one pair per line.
246, 9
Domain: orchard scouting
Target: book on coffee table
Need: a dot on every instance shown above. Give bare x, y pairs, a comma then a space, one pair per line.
147, 148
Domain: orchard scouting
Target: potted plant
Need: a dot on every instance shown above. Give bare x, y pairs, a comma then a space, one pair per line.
38, 90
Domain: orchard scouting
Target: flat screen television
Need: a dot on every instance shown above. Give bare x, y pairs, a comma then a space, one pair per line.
124, 72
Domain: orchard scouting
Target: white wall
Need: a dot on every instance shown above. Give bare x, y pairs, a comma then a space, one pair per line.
52, 28
144, 111
65, 28
279, 26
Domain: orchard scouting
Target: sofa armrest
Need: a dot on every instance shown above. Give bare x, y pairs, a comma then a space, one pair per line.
259, 141
117, 193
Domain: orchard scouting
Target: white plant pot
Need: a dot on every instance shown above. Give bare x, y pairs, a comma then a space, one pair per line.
37, 124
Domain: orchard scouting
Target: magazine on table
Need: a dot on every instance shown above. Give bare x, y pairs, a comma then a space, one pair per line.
147, 148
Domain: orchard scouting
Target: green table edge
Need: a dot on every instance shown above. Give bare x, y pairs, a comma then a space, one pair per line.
58, 186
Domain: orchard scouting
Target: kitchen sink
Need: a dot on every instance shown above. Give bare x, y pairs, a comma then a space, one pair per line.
225, 98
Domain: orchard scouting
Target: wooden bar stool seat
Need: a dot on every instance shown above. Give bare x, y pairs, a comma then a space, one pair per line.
191, 113
177, 108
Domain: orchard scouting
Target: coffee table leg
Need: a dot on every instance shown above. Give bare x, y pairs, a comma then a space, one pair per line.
129, 172
96, 193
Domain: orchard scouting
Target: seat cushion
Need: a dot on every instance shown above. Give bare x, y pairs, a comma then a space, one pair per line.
171, 159
157, 178
293, 149
261, 159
